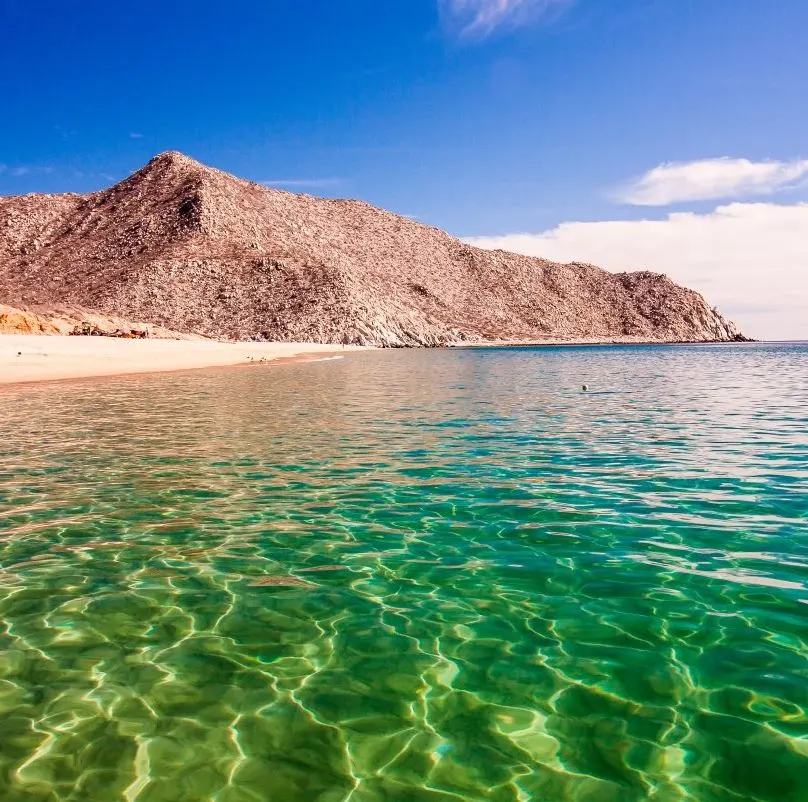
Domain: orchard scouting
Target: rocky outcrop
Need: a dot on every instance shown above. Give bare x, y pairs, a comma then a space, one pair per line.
20, 321
193, 249
80, 322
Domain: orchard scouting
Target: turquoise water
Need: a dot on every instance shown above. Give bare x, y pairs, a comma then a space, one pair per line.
413, 576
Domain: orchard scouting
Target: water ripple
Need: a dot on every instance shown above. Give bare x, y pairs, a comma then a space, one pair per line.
420, 576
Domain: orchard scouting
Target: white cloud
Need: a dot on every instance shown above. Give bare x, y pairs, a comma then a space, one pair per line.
17, 171
135, 135
710, 179
477, 19
751, 259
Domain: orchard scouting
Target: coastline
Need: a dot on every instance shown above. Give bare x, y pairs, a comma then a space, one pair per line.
557, 341
30, 358
26, 358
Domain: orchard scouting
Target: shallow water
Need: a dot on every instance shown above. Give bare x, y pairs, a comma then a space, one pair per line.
414, 576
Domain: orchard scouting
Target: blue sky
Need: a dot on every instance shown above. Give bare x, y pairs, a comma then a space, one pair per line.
490, 118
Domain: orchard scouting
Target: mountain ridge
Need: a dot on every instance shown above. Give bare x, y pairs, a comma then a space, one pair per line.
193, 249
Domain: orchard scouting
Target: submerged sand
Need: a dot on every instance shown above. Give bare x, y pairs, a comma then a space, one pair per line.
29, 358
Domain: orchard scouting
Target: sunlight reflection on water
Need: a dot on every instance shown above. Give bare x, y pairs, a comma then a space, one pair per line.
407, 575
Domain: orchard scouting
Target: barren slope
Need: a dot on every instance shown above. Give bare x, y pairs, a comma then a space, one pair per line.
193, 249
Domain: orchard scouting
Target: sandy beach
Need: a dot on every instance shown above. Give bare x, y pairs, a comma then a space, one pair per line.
27, 358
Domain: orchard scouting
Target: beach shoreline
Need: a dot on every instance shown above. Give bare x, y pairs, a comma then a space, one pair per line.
577, 341
26, 358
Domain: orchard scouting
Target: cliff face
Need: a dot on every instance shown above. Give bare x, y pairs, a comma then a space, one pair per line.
193, 249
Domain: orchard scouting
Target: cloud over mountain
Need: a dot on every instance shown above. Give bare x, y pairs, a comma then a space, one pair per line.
711, 179
476, 19
750, 258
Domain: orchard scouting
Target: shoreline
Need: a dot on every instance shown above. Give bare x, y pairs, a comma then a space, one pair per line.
27, 358
34, 358
578, 341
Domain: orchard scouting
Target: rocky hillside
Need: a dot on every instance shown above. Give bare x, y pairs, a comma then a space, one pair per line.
65, 321
193, 249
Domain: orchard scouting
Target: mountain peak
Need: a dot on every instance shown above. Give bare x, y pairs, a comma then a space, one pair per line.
168, 167
176, 159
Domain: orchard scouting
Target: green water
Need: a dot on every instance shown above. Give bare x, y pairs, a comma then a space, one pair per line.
413, 576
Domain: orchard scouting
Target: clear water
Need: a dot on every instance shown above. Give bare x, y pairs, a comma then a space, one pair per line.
415, 576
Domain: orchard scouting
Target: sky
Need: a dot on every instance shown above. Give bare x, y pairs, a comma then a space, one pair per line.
668, 135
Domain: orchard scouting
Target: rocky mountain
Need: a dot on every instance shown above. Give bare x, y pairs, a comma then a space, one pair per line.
196, 250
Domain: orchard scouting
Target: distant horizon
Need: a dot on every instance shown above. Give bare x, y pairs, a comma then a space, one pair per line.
634, 136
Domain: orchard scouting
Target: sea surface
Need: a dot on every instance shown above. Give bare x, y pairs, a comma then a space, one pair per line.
420, 576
